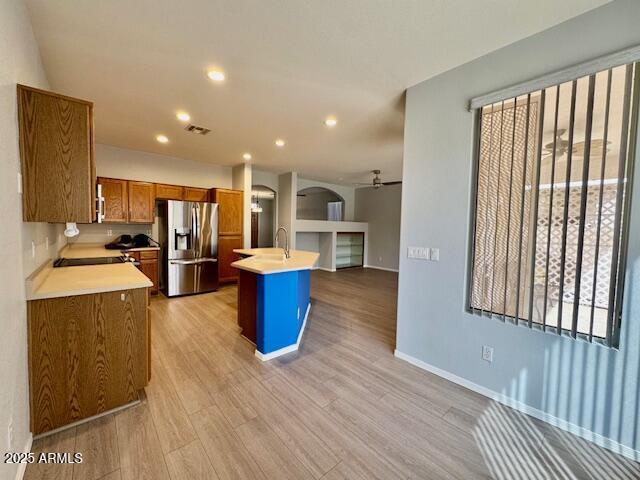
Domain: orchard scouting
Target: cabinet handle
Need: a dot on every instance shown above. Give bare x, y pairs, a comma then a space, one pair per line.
101, 204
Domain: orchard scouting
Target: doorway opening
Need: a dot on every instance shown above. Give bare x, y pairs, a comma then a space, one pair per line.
263, 216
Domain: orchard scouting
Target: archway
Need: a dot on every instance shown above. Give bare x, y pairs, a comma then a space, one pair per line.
319, 203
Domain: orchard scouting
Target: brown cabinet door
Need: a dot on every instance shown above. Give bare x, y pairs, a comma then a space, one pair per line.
150, 269
116, 204
169, 192
141, 202
148, 341
87, 354
56, 152
192, 194
229, 211
226, 245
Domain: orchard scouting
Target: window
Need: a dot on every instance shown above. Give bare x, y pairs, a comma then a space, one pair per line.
552, 193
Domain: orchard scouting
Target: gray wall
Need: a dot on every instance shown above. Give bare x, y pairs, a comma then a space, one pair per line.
19, 63
590, 386
381, 209
286, 198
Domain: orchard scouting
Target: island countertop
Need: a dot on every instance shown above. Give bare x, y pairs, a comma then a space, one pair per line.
264, 261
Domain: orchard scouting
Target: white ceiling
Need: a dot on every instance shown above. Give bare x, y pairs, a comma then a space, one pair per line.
289, 64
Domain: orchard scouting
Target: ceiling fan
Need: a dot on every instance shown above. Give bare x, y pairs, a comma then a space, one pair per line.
377, 181
562, 146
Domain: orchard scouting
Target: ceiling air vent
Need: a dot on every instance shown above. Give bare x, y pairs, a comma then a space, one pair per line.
196, 129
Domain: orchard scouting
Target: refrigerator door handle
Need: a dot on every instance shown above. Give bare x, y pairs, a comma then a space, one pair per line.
195, 261
194, 231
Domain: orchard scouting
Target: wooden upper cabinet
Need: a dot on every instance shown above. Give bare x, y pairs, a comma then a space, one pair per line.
116, 200
229, 211
169, 192
193, 194
141, 202
57, 157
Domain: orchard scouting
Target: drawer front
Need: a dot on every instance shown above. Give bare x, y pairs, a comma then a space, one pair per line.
148, 254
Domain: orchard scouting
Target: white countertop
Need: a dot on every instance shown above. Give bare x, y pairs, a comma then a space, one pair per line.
271, 260
50, 282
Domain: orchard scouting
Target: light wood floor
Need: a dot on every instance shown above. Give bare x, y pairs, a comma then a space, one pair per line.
342, 407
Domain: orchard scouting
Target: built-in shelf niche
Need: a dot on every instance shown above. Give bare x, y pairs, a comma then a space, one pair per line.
349, 249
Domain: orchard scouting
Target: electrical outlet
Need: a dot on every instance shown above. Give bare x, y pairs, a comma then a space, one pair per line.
33, 249
109, 232
434, 254
487, 353
421, 253
10, 435
380, 259
46, 243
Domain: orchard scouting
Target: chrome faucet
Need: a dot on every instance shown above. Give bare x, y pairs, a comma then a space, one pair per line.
286, 241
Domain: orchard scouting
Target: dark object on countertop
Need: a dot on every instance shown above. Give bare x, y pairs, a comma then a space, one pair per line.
141, 240
74, 262
126, 242
123, 242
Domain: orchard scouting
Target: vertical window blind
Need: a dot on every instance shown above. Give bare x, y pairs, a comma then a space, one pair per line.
553, 177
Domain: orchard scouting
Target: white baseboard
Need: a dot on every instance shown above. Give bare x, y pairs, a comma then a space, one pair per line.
596, 438
22, 467
382, 268
291, 348
324, 269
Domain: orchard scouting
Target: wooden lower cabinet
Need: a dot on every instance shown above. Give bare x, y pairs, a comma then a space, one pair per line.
247, 301
148, 340
226, 245
148, 264
87, 354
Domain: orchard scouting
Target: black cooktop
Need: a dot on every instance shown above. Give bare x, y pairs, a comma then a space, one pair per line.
73, 262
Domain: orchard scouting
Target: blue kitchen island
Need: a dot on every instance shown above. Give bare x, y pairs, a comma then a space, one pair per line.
273, 298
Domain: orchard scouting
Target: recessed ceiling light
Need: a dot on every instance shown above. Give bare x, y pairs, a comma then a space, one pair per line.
331, 121
246, 156
162, 139
183, 116
279, 142
216, 75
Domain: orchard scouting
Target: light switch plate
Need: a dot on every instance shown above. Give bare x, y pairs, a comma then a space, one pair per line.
487, 353
421, 253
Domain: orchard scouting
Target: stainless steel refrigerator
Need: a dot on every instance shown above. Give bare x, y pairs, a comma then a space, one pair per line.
188, 234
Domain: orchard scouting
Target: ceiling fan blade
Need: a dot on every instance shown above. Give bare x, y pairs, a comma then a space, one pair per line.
399, 182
